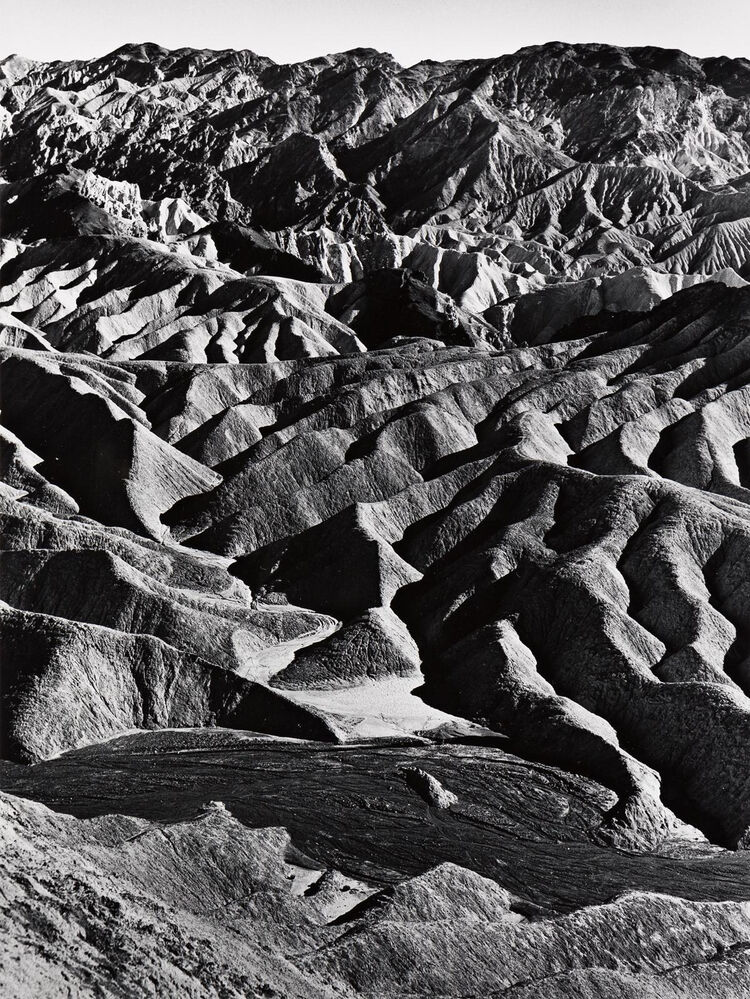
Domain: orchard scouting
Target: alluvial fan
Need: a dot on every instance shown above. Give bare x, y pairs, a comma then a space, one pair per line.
375, 525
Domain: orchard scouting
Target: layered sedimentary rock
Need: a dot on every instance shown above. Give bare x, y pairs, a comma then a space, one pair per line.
375, 456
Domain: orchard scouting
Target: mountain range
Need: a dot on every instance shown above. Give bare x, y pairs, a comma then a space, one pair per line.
375, 525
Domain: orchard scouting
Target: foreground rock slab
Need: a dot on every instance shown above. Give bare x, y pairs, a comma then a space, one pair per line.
117, 904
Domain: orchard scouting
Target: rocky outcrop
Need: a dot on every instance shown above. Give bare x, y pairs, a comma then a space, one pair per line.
67, 684
103, 632
373, 646
81, 899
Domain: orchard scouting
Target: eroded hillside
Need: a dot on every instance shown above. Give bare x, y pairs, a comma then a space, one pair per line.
376, 439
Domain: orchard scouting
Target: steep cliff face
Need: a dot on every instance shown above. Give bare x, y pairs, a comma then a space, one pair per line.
354, 405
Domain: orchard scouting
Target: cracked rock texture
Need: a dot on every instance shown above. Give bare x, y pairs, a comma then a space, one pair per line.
375, 525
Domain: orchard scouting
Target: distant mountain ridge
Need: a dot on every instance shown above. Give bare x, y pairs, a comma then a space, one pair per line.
485, 179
